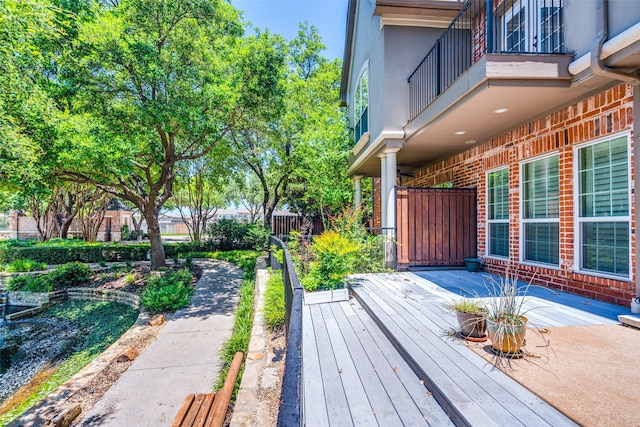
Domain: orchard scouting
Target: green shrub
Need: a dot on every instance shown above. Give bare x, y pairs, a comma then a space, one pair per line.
59, 253
129, 278
169, 292
334, 258
274, 311
71, 275
35, 283
22, 265
229, 234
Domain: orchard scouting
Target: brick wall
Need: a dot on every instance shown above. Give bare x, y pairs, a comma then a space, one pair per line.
605, 114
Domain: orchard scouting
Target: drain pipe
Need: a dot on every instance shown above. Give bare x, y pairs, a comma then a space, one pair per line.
602, 32
599, 68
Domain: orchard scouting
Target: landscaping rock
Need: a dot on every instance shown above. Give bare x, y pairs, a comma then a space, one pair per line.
156, 320
128, 355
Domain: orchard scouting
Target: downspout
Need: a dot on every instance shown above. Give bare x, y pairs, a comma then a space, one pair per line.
599, 68
602, 32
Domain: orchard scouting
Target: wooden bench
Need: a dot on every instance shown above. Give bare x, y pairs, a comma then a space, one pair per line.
209, 409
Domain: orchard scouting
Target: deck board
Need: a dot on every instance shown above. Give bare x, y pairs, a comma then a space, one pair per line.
364, 380
392, 361
419, 321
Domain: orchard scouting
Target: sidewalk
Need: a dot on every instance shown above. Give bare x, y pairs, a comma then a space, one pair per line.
184, 358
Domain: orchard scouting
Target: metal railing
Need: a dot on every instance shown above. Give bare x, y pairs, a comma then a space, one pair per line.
512, 26
362, 126
290, 413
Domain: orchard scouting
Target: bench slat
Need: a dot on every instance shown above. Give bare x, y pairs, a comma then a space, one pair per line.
224, 395
193, 411
184, 409
204, 410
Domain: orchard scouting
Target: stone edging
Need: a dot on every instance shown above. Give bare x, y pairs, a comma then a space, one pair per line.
93, 294
249, 410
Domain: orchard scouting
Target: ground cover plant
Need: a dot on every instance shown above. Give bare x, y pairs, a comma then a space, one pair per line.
94, 327
274, 310
168, 292
64, 276
241, 333
24, 265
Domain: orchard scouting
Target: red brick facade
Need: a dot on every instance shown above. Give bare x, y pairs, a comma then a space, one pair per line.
608, 113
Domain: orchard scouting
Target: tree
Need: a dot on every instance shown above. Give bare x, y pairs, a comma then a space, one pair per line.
300, 154
156, 83
199, 193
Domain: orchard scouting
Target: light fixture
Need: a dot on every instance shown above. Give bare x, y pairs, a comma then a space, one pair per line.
501, 110
471, 141
460, 132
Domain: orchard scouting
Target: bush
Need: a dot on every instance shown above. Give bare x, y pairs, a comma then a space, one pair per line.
274, 311
36, 283
71, 275
82, 252
229, 234
169, 292
22, 265
334, 258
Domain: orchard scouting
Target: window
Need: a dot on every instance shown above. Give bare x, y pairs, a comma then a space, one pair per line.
603, 207
532, 26
541, 211
361, 110
498, 212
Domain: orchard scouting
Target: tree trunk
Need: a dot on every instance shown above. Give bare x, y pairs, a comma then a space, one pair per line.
157, 250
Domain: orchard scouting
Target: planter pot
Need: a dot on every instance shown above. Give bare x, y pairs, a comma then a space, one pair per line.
472, 325
319, 297
635, 305
507, 339
472, 264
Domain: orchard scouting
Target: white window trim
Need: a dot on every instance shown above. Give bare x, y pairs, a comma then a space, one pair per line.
507, 221
537, 220
528, 26
363, 68
576, 211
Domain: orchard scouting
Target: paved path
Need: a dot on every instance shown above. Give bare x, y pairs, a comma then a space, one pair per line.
184, 358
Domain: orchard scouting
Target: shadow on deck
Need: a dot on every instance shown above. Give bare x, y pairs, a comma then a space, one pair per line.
386, 357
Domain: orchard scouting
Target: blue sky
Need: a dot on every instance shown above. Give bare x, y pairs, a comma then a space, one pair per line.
283, 17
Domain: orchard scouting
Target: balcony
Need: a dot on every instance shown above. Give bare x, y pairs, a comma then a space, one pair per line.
529, 27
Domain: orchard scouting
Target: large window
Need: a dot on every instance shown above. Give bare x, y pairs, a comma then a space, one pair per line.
498, 213
532, 26
361, 110
541, 211
603, 207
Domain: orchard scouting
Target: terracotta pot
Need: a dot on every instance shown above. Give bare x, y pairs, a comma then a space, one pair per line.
472, 324
507, 338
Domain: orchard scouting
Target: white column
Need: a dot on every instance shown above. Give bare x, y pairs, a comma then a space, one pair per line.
391, 174
383, 190
357, 191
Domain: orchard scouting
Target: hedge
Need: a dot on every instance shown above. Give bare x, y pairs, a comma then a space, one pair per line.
81, 253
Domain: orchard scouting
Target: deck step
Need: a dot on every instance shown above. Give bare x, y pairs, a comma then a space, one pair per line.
462, 383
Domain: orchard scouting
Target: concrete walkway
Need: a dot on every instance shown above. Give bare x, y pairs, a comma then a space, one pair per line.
184, 358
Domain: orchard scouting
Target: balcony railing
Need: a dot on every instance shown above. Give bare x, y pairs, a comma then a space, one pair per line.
512, 26
362, 126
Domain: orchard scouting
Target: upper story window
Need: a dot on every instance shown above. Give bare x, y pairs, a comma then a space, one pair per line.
604, 218
532, 26
498, 213
541, 211
361, 110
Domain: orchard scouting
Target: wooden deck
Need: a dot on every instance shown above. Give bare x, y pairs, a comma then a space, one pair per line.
386, 357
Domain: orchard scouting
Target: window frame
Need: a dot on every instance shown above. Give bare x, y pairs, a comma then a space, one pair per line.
546, 220
357, 114
531, 23
579, 221
498, 221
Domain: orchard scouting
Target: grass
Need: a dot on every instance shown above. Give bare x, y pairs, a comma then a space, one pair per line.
241, 334
274, 310
99, 323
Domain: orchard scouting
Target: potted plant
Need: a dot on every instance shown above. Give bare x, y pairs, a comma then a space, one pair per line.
506, 321
471, 317
472, 264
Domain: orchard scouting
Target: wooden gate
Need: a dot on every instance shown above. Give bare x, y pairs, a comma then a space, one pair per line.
435, 226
